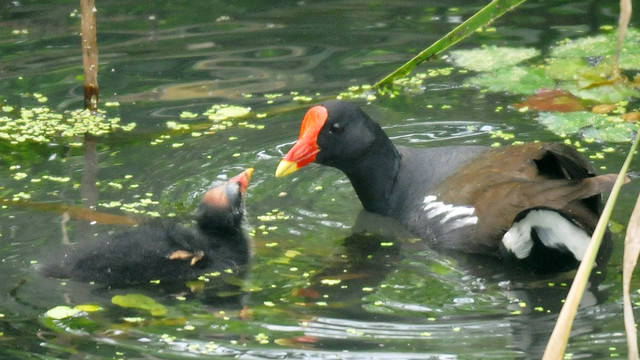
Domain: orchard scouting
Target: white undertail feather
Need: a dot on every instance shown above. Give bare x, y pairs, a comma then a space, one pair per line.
554, 230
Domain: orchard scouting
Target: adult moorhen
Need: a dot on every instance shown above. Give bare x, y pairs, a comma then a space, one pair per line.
534, 204
163, 249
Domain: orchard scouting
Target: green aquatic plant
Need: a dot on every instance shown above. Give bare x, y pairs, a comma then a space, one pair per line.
220, 112
139, 301
515, 79
583, 71
220, 116
489, 58
41, 124
592, 127
582, 66
63, 312
579, 68
484, 17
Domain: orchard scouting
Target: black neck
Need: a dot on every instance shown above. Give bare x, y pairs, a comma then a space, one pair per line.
374, 176
226, 233
223, 223
234, 243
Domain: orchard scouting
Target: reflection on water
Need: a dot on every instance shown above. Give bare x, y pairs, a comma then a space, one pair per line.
237, 74
328, 281
440, 130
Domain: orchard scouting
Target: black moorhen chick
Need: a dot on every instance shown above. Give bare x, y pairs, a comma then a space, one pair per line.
163, 249
534, 204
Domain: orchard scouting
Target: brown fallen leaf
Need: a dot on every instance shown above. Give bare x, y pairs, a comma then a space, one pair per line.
633, 116
603, 108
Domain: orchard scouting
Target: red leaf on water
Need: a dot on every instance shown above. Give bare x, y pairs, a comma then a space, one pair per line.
307, 292
552, 100
300, 342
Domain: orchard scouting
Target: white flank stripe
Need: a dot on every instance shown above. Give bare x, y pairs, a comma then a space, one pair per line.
461, 214
433, 205
471, 220
429, 198
439, 210
458, 211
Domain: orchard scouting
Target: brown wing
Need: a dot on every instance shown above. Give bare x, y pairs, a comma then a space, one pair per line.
511, 179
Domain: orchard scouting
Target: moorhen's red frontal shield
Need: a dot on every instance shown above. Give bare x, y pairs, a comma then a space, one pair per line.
305, 150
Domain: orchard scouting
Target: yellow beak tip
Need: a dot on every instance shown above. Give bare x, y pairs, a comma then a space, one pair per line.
285, 168
249, 172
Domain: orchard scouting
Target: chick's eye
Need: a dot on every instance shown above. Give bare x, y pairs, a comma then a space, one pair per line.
336, 128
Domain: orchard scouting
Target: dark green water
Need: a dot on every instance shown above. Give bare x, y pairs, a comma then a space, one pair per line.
317, 291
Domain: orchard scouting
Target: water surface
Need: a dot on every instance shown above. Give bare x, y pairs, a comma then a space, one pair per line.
319, 287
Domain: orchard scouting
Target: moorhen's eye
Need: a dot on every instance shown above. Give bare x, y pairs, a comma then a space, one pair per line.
336, 128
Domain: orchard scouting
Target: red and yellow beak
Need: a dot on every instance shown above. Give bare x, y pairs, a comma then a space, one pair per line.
244, 178
218, 197
306, 148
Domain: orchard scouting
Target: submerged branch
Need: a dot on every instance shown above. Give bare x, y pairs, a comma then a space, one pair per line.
76, 212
